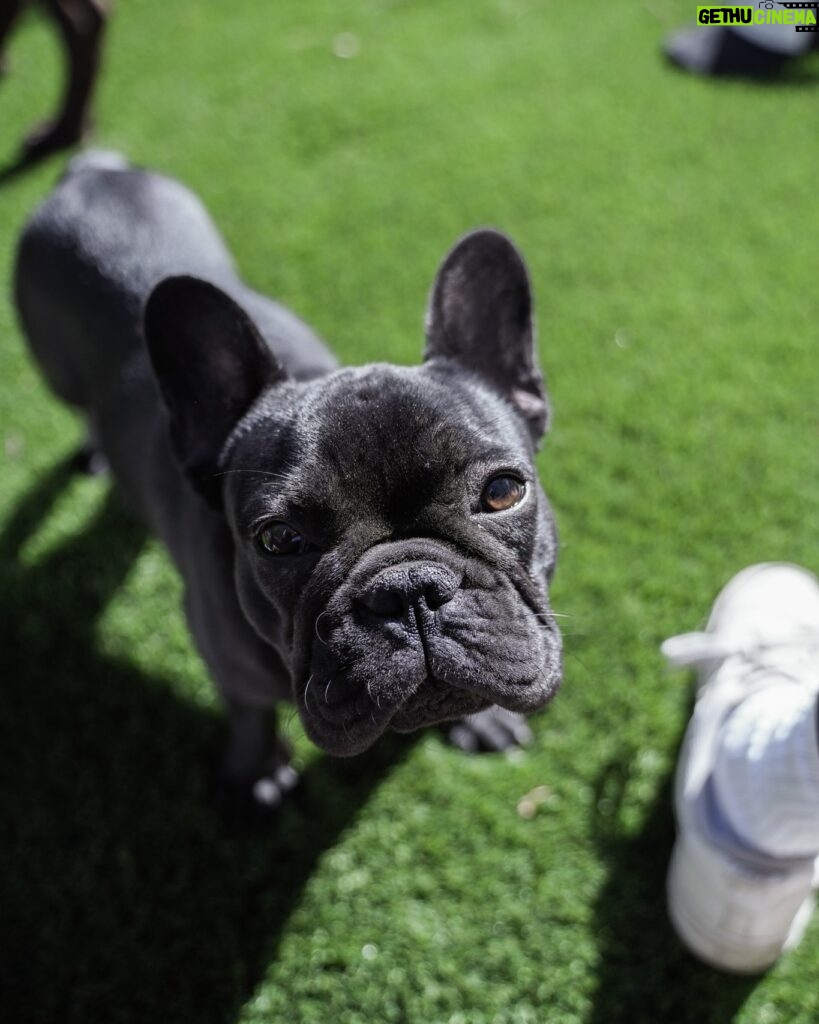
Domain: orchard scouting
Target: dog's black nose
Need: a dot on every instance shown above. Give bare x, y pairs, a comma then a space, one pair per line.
390, 592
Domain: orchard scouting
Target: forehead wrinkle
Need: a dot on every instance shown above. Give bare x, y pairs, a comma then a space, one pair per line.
379, 439
424, 409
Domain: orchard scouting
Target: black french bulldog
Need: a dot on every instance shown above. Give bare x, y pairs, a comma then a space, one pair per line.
371, 544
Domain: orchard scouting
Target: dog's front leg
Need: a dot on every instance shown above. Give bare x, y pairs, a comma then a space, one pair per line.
257, 772
248, 673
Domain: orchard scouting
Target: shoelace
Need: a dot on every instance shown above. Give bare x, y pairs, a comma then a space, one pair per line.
796, 652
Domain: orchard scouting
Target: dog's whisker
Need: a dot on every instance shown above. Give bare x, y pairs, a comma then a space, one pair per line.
374, 699
549, 617
319, 637
307, 692
251, 472
289, 720
572, 655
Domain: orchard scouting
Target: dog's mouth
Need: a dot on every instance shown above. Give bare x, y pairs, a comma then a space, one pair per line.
436, 702
418, 635
434, 680
346, 720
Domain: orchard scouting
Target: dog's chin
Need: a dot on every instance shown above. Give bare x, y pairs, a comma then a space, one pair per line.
443, 706
430, 704
343, 741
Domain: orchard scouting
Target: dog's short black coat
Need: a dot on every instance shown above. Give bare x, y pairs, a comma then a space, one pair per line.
371, 544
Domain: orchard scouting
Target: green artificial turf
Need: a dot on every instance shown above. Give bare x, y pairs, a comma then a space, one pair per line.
671, 226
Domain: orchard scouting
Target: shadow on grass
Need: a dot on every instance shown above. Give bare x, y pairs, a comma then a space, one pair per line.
645, 975
124, 898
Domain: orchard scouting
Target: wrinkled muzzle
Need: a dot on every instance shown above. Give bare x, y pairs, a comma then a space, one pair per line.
419, 633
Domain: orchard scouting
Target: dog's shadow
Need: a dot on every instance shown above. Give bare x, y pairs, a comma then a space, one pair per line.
645, 975
124, 895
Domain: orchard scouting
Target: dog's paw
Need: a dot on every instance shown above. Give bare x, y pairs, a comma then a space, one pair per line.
269, 791
492, 730
256, 801
53, 135
89, 461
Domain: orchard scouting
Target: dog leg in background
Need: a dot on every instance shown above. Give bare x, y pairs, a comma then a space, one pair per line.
81, 24
9, 12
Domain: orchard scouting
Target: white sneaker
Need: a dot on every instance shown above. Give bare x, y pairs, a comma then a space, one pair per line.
734, 907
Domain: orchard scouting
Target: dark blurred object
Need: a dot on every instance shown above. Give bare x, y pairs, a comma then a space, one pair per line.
739, 51
81, 24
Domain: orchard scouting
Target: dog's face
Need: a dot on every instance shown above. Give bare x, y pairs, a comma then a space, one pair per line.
392, 540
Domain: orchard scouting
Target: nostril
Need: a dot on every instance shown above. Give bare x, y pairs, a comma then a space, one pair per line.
390, 594
438, 585
437, 595
385, 602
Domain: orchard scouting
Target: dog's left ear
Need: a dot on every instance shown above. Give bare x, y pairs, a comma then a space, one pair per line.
480, 315
211, 365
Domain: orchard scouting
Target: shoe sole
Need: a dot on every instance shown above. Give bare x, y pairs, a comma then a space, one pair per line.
714, 904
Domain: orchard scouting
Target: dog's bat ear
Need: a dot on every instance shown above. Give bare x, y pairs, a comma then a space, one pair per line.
480, 315
211, 365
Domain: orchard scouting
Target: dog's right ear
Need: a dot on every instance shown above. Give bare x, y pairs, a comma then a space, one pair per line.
211, 365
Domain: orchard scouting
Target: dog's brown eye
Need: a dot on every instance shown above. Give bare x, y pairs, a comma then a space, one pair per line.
281, 539
502, 493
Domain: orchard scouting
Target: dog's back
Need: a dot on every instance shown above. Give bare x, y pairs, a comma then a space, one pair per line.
90, 255
87, 261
